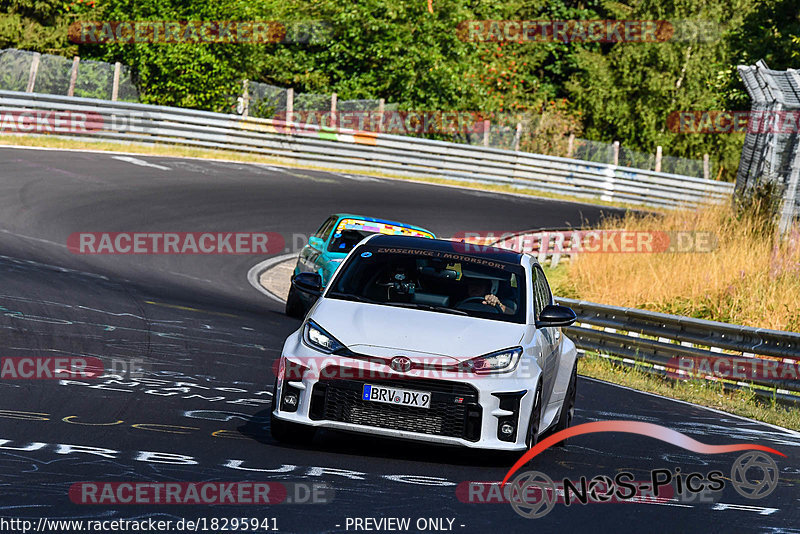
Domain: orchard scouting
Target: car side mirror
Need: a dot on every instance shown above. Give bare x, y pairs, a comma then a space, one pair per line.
554, 315
309, 283
316, 242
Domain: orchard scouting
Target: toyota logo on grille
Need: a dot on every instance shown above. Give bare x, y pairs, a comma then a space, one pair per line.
401, 364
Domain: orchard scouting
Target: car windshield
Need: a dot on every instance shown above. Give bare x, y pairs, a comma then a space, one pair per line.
345, 240
445, 282
349, 232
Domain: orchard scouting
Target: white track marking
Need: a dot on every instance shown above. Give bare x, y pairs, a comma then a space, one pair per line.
140, 162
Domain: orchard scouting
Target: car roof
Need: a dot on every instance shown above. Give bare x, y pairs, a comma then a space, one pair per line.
384, 221
444, 245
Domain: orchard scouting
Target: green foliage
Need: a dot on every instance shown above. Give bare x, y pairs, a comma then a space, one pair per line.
38, 25
192, 75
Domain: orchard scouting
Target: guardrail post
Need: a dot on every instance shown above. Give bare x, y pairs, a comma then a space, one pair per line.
333, 110
486, 126
658, 159
34, 70
289, 105
73, 76
571, 145
706, 167
615, 153
517, 136
115, 83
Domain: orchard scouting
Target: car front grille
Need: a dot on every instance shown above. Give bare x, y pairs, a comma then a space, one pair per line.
454, 410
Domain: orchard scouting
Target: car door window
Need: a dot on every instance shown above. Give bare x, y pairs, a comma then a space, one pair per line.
326, 228
541, 291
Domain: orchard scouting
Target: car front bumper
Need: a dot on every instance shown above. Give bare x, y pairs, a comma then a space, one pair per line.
466, 409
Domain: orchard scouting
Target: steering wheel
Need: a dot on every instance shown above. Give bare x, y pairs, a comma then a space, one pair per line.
477, 300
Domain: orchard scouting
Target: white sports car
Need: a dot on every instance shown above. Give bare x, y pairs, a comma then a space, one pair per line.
429, 340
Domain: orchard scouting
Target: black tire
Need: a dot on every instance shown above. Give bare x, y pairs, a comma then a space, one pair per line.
285, 431
532, 434
294, 306
568, 409
291, 433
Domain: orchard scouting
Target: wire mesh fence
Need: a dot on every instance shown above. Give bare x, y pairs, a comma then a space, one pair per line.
265, 100
53, 75
22, 70
95, 79
15, 65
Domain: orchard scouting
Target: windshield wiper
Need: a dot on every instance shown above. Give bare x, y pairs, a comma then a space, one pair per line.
414, 305
427, 307
348, 296
445, 309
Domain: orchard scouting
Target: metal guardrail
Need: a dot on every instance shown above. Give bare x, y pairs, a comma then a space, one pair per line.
661, 343
359, 151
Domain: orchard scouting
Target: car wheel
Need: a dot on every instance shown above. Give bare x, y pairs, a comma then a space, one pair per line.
294, 306
532, 435
285, 431
568, 409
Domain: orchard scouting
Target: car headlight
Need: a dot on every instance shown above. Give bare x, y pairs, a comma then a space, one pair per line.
319, 339
501, 361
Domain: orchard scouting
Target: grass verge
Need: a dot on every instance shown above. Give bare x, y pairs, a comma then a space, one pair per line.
186, 152
750, 277
741, 402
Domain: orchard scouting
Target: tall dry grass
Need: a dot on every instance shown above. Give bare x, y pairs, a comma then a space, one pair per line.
751, 277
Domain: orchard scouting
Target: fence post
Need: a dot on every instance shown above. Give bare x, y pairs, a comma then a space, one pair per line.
34, 70
245, 98
115, 83
571, 145
486, 127
333, 110
616, 152
517, 136
706, 167
73, 76
289, 105
381, 111
658, 158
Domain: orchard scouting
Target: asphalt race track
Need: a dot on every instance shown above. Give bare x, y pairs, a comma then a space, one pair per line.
207, 340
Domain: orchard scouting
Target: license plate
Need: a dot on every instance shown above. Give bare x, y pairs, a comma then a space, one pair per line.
400, 397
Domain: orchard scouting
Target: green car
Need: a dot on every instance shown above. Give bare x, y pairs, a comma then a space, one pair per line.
330, 245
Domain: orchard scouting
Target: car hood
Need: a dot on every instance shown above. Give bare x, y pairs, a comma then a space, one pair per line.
389, 331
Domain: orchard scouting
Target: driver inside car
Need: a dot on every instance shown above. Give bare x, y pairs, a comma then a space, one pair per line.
482, 288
